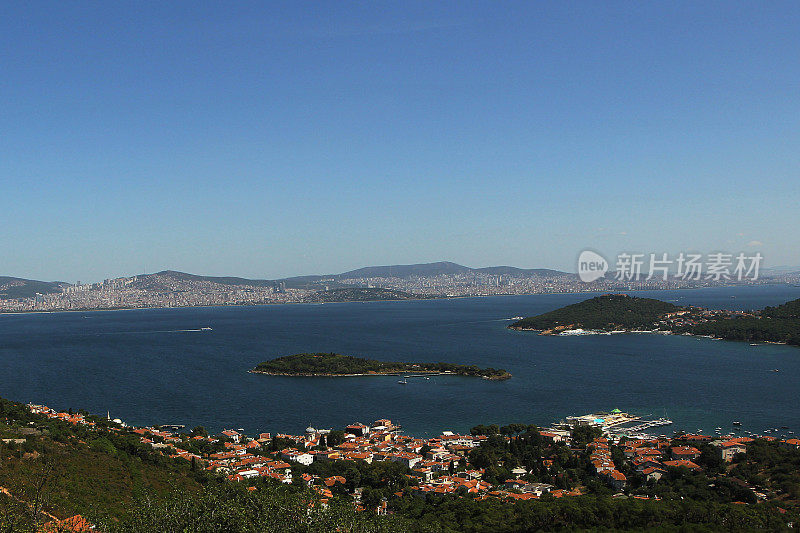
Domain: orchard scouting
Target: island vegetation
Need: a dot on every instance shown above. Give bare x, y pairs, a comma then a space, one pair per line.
604, 313
619, 312
333, 364
780, 324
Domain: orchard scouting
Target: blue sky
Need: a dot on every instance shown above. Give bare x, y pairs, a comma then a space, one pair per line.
274, 139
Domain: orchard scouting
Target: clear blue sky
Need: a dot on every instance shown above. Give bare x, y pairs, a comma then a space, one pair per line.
274, 139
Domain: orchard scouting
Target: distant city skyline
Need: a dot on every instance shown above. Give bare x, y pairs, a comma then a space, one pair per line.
171, 289
265, 141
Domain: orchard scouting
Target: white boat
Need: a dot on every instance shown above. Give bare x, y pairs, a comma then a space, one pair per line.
206, 328
403, 381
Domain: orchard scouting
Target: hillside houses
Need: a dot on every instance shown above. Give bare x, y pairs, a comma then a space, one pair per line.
437, 465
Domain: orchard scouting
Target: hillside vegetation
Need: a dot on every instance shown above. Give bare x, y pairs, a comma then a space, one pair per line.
774, 324
63, 470
105, 473
607, 312
26, 288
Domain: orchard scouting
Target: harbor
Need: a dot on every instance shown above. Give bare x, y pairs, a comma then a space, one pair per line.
615, 422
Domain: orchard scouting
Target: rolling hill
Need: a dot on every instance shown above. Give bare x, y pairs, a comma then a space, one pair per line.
27, 288
22, 288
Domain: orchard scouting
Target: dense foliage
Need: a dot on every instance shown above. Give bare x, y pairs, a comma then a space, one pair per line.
607, 312
595, 513
520, 445
335, 364
380, 479
774, 324
772, 465
271, 508
788, 310
70, 469
750, 329
231, 508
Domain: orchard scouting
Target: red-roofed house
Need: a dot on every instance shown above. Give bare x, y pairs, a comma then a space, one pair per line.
688, 453
729, 449
682, 462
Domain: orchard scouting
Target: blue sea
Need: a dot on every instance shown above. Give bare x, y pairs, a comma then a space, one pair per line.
155, 366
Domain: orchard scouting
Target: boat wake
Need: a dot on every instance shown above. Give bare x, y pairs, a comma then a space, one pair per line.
194, 330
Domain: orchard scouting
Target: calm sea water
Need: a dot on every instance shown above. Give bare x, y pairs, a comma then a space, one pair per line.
148, 367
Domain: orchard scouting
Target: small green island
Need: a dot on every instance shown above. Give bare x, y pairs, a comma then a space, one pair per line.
618, 313
337, 365
610, 312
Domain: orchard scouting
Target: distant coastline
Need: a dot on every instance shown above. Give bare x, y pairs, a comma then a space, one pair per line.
168, 289
621, 313
429, 298
366, 374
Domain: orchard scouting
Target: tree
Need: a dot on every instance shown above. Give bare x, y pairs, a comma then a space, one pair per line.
582, 435
335, 437
480, 429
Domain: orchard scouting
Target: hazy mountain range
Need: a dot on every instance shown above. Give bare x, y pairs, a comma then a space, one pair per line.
11, 287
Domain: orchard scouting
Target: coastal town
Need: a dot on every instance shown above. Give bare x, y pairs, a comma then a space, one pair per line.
168, 289
627, 463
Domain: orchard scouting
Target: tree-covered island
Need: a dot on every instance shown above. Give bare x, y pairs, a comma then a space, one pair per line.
609, 312
779, 324
620, 312
333, 364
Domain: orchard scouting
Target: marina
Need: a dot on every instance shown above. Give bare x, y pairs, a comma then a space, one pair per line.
641, 428
614, 422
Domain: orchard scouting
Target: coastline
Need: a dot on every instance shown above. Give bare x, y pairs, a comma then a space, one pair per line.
431, 298
646, 332
504, 377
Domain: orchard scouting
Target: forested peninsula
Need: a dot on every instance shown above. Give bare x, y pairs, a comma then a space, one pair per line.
622, 313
